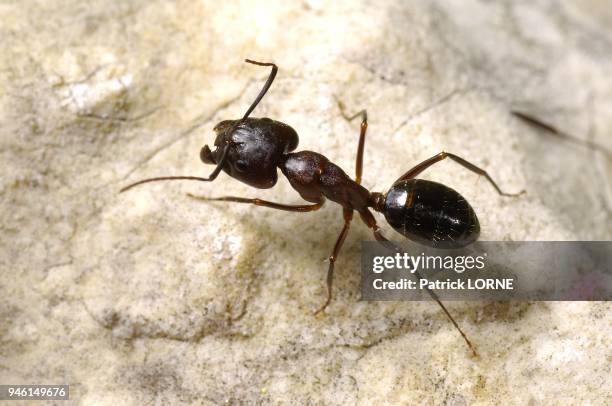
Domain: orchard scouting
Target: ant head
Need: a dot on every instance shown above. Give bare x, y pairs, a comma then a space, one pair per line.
206, 155
255, 148
249, 149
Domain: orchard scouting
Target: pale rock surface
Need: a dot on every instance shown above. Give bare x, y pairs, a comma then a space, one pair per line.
150, 297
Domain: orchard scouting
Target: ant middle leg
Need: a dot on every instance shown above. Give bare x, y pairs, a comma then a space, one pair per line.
362, 134
348, 216
466, 164
263, 203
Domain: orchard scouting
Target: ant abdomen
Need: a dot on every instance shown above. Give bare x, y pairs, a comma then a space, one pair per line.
431, 213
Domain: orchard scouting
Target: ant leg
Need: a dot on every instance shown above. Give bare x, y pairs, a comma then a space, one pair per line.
362, 134
264, 203
348, 216
267, 85
370, 221
468, 165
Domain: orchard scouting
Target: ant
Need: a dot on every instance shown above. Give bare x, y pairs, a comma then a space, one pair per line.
252, 149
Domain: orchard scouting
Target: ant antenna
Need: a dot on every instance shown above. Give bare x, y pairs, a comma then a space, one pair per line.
210, 178
219, 167
266, 86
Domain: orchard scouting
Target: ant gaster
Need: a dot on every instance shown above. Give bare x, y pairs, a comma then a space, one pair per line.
251, 150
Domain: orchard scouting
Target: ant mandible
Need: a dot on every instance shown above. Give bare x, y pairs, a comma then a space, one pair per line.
251, 149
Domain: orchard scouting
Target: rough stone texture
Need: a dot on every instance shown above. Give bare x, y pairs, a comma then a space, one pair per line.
151, 297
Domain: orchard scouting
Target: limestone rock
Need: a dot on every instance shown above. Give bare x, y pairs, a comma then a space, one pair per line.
150, 296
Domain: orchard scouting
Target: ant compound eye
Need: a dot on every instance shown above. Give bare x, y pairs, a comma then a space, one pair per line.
241, 166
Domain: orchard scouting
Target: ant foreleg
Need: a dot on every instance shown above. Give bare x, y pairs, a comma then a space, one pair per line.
348, 216
362, 134
370, 221
264, 203
468, 165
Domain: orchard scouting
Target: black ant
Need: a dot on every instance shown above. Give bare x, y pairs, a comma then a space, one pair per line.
251, 150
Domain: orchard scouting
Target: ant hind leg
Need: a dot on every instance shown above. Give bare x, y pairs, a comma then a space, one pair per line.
466, 164
370, 221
